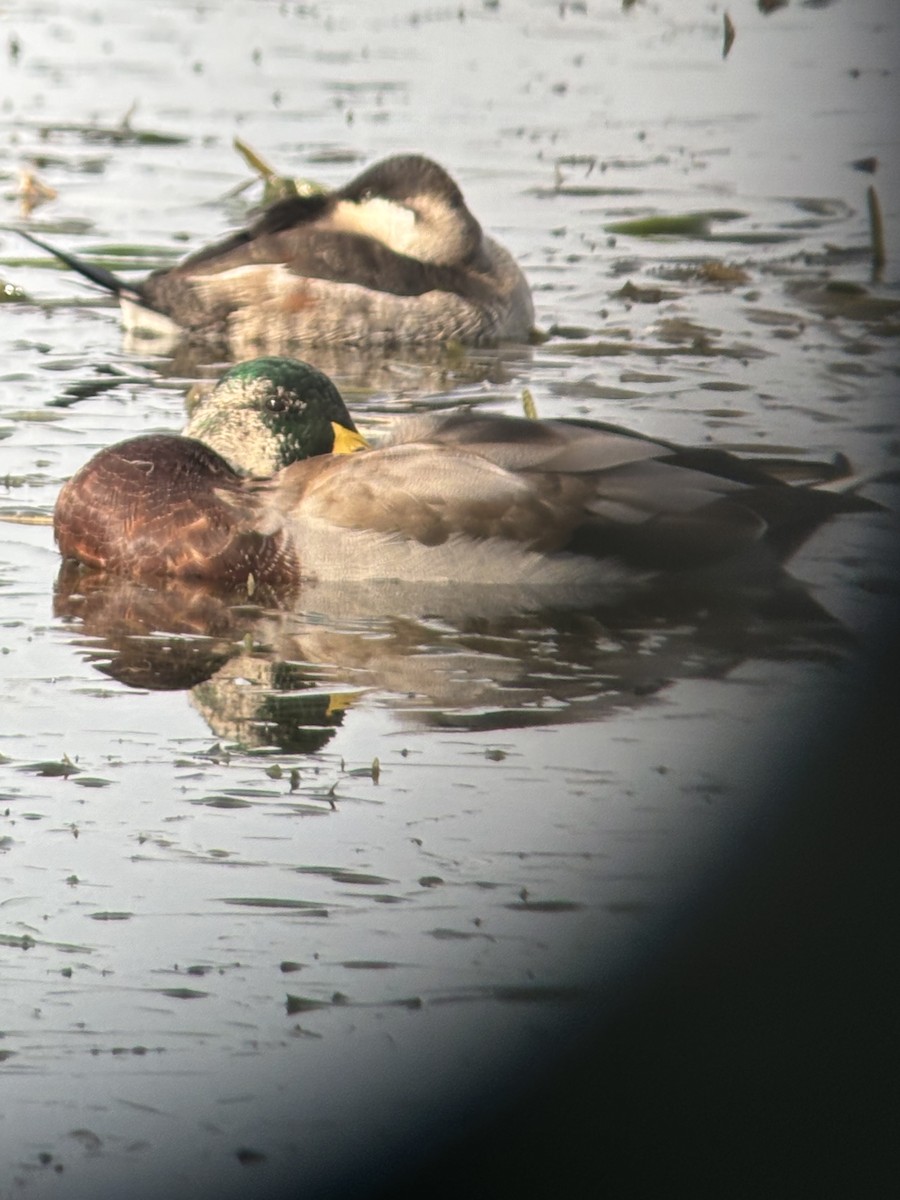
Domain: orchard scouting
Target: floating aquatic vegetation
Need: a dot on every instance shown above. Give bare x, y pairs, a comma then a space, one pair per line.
222, 802
712, 270
644, 295
308, 907
869, 165
876, 224
275, 186
345, 875
300, 1004
851, 300
695, 225
526, 904
52, 770
32, 192
122, 134
21, 941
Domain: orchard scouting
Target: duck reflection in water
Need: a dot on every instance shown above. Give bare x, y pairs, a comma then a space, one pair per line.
266, 673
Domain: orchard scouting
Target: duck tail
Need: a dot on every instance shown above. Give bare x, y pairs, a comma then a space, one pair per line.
99, 275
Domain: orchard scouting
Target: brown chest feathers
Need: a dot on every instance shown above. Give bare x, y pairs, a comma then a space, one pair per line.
162, 505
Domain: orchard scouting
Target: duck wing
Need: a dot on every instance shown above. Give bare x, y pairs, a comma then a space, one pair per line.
431, 494
601, 500
554, 486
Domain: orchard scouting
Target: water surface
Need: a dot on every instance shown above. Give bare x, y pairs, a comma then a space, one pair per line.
284, 890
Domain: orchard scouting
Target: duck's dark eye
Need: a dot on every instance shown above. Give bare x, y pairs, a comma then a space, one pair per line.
277, 403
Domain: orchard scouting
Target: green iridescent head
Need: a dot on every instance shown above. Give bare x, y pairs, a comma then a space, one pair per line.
269, 412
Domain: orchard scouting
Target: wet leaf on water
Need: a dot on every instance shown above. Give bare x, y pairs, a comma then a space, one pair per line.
37, 415
116, 135
644, 295
248, 1158
52, 770
300, 1004
456, 935
728, 35
869, 165
712, 270
646, 377
360, 878
876, 227
307, 906
344, 875
32, 191
5, 1055
22, 941
823, 206
723, 385
92, 781
365, 964
545, 906
575, 333
851, 300
289, 967
24, 518
87, 1138
429, 881
253, 793
83, 390
110, 916
222, 802
183, 993
695, 225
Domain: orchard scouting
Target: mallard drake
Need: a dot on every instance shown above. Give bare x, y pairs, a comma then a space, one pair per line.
393, 257
451, 497
268, 412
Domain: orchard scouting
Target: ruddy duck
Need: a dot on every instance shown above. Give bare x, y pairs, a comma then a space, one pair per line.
394, 257
452, 497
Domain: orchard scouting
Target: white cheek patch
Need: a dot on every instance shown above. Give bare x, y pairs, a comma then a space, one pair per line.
391, 223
